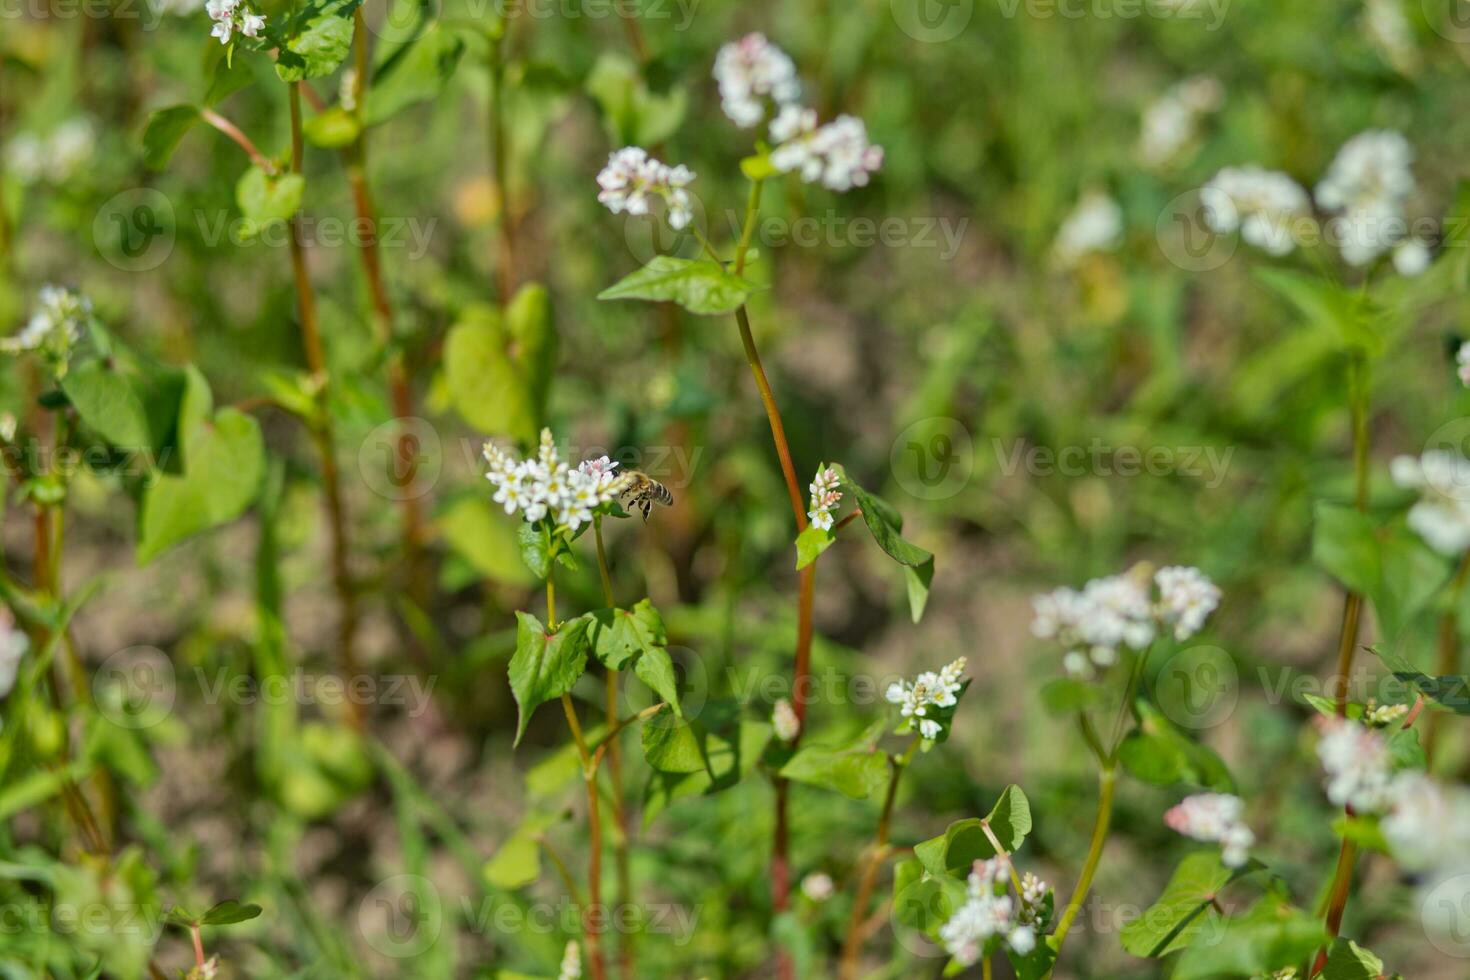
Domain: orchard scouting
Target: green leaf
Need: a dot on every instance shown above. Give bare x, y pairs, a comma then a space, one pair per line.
414, 73
631, 114
128, 400
1157, 752
476, 531
918, 579
620, 636
332, 128
1325, 303
856, 774
264, 199
1344, 544
811, 543
535, 545
545, 665
656, 669
165, 129
1405, 751
1064, 696
1349, 961
884, 522
1183, 911
517, 862
320, 46
223, 464
1451, 691
1010, 818
673, 745
229, 912
1270, 936
698, 285
499, 366
1035, 965
730, 744
926, 904
1412, 574
1363, 831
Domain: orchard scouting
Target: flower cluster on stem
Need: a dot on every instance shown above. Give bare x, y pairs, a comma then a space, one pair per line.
547, 488
1441, 516
1214, 818
927, 702
230, 16
54, 328
632, 177
824, 498
991, 913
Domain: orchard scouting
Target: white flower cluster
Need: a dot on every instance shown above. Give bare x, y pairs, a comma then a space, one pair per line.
546, 487
749, 71
571, 962
1119, 611
13, 645
824, 498
1263, 204
631, 177
1428, 834
1368, 182
55, 324
818, 886
990, 911
784, 721
918, 698
55, 158
1442, 514
1358, 765
1377, 715
1214, 818
839, 153
1171, 124
230, 16
1095, 225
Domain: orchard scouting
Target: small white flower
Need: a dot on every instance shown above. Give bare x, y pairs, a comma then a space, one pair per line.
631, 177
230, 16
1262, 204
818, 886
548, 486
1171, 125
571, 962
1358, 765
824, 498
1411, 257
1442, 514
918, 699
1214, 818
838, 154
1388, 29
1186, 599
1462, 363
785, 722
1368, 183
1428, 824
1095, 225
749, 71
54, 327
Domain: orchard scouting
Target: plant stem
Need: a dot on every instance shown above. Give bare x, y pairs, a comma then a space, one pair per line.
194, 934
322, 430
1447, 658
1106, 779
615, 770
355, 160
233, 132
806, 584
593, 908
852, 946
499, 176
1347, 643
550, 604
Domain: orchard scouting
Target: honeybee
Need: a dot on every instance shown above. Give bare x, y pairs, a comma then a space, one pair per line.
643, 491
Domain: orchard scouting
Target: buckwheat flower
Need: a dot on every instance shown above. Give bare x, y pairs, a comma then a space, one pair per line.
1357, 764
1262, 204
1411, 257
1033, 890
748, 72
1462, 363
1170, 126
784, 721
571, 962
13, 645
1387, 29
1214, 818
1428, 823
1107, 614
1186, 599
547, 487
818, 886
70, 148
1382, 715
632, 177
1077, 665
1442, 514
54, 327
921, 700
1368, 183
839, 153
973, 924
1095, 225
824, 498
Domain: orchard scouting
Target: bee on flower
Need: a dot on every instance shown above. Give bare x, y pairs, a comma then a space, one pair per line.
546, 487
927, 702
